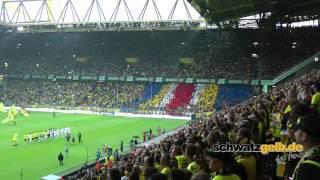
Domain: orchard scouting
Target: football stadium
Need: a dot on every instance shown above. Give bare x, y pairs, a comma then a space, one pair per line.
159, 90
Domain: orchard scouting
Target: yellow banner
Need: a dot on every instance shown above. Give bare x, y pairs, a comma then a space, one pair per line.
131, 59
186, 60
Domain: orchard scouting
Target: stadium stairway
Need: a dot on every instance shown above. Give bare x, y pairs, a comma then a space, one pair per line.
232, 94
181, 96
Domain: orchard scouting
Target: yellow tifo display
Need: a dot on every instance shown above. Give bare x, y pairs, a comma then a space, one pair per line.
157, 98
207, 98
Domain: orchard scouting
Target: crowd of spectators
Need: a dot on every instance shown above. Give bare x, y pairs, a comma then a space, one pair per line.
188, 154
252, 54
207, 98
73, 94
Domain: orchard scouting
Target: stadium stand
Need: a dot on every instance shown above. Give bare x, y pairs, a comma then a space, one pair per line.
188, 148
45, 54
232, 94
207, 98
133, 97
150, 91
155, 102
196, 95
68, 93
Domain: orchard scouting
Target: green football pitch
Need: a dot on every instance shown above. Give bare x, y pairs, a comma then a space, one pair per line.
33, 161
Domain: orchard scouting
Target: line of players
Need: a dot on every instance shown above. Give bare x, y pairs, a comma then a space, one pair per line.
42, 136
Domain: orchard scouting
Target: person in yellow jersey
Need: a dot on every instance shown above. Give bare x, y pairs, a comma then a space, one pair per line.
292, 101
148, 167
14, 140
277, 116
246, 159
157, 158
307, 134
25, 137
165, 164
219, 165
176, 153
315, 101
191, 153
292, 158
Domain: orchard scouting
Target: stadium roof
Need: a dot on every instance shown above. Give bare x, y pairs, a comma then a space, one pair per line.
16, 11
119, 15
282, 11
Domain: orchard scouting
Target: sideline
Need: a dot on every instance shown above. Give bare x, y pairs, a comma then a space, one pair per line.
105, 113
